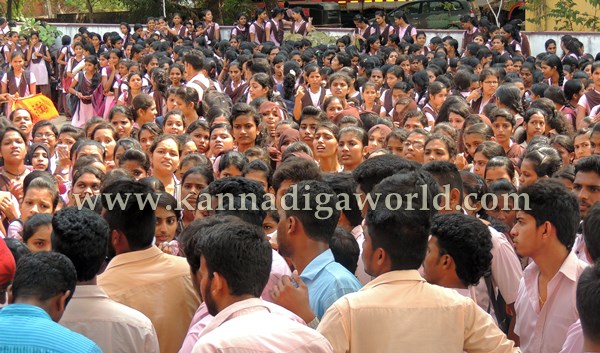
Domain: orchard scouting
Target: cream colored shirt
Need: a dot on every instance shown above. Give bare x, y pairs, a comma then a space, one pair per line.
114, 327
400, 312
158, 285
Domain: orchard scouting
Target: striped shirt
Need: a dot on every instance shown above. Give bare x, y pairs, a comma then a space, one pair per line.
27, 328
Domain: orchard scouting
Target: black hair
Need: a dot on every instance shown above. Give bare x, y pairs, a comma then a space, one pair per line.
445, 173
34, 223
153, 183
546, 160
319, 216
239, 253
203, 170
232, 158
549, 201
402, 231
588, 303
588, 164
17, 248
79, 145
42, 276
510, 96
345, 249
44, 181
591, 224
344, 184
468, 241
296, 170
82, 235
373, 170
139, 234
501, 162
260, 166
239, 197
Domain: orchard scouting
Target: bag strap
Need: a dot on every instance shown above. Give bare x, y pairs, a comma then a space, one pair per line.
496, 302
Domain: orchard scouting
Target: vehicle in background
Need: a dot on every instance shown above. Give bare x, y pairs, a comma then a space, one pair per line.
511, 9
433, 14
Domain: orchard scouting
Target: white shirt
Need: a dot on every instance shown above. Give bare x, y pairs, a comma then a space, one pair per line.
544, 330
112, 326
506, 272
18, 81
359, 235
249, 326
199, 78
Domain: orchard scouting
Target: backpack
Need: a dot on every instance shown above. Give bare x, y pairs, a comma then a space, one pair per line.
206, 91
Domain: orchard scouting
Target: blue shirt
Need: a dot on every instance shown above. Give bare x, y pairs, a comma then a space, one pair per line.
27, 328
327, 281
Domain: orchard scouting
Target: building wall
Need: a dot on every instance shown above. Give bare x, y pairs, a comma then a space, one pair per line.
548, 24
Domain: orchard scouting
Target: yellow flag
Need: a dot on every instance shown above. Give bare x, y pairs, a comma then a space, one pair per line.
39, 106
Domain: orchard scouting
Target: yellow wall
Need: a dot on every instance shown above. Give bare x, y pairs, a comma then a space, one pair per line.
548, 24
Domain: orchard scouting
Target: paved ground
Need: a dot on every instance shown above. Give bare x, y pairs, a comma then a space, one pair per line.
60, 121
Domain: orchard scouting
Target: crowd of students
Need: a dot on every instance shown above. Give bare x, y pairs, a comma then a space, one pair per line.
173, 112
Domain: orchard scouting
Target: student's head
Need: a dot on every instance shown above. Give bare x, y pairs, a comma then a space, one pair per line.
587, 182
459, 251
397, 234
373, 170
344, 184
588, 304
450, 182
126, 235
415, 120
539, 163
260, 172
37, 232
246, 124
107, 136
439, 147
81, 235
86, 182
231, 163
45, 132
345, 249
499, 168
476, 134
414, 145
483, 153
228, 258
246, 198
199, 131
46, 279
121, 118
292, 171
548, 218
591, 222
40, 196
167, 218
144, 109
298, 226
174, 123
165, 153
221, 138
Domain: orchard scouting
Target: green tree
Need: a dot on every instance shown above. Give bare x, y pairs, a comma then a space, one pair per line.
92, 6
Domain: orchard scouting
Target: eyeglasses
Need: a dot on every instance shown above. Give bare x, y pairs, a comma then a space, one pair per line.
416, 145
46, 135
490, 82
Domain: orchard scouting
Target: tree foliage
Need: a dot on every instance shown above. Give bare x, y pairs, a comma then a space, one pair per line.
47, 32
566, 15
